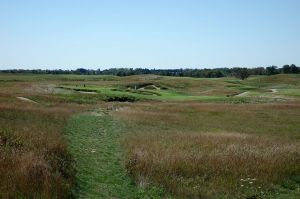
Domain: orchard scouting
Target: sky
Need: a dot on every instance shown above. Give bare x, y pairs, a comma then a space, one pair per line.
69, 34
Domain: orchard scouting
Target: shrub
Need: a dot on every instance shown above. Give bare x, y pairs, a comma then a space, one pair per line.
120, 98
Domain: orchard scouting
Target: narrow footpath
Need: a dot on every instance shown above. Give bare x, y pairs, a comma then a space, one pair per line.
93, 141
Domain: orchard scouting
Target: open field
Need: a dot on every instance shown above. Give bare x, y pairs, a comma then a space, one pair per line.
149, 136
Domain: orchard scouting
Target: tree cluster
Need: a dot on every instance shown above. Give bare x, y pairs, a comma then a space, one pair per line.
241, 73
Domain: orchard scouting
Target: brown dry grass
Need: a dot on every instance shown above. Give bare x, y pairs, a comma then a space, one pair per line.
266, 119
34, 160
207, 164
197, 150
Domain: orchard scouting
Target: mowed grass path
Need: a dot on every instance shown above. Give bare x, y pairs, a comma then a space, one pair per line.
93, 141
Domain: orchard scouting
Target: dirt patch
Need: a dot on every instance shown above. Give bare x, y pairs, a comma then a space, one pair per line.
274, 90
87, 92
243, 94
47, 89
26, 100
150, 87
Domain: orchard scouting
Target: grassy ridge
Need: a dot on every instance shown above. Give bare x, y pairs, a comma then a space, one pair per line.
263, 89
258, 88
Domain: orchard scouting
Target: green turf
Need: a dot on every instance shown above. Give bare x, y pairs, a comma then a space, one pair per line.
290, 92
254, 95
154, 95
94, 142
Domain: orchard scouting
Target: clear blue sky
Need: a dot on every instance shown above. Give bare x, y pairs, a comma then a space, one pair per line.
148, 33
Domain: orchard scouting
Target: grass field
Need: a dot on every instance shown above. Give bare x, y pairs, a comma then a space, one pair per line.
147, 136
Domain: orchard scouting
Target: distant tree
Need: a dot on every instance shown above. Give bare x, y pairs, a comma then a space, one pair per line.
241, 73
286, 69
257, 71
218, 73
294, 69
81, 71
271, 70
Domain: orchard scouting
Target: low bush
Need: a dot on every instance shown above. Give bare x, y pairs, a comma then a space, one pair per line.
120, 98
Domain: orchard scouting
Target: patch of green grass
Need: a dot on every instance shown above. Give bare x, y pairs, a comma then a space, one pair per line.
94, 143
201, 89
159, 95
289, 92
119, 94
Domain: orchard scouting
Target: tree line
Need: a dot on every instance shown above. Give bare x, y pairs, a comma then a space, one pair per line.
239, 72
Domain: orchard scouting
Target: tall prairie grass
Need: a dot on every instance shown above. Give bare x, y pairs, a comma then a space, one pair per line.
193, 165
34, 161
197, 150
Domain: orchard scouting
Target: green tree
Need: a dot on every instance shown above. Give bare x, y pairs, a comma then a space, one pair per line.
271, 70
286, 69
294, 69
241, 73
